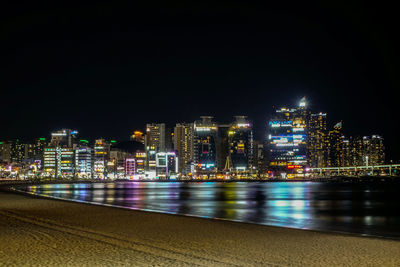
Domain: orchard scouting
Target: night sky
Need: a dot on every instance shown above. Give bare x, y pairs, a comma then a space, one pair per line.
107, 69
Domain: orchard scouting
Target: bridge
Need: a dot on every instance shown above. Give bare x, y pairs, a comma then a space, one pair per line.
388, 169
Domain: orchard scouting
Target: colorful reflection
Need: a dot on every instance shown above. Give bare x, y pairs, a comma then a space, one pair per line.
355, 208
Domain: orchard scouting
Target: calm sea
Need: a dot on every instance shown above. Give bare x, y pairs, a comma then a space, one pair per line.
367, 209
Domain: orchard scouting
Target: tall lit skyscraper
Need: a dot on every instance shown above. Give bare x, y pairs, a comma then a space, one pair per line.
335, 147
288, 141
205, 141
154, 143
240, 139
317, 141
183, 145
373, 150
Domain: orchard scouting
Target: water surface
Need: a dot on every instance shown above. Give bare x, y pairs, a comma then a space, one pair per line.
367, 209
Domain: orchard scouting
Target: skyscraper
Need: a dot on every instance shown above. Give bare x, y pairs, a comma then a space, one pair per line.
154, 143
240, 139
335, 147
374, 150
317, 141
183, 145
205, 150
288, 141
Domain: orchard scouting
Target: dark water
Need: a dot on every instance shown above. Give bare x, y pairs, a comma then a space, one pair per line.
372, 209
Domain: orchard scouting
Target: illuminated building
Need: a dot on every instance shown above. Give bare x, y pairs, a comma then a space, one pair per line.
240, 139
50, 162
100, 158
347, 152
335, 147
166, 164
374, 150
64, 137
154, 143
116, 164
17, 152
288, 141
65, 162
183, 144
38, 148
260, 158
205, 140
130, 167
83, 162
317, 141
140, 162
5, 151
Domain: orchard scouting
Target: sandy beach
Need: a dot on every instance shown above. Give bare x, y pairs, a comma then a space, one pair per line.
42, 232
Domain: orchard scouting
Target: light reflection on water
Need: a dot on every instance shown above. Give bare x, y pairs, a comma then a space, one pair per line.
355, 208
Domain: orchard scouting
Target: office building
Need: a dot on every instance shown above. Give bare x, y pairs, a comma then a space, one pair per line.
100, 158
317, 141
183, 145
335, 146
166, 165
205, 146
288, 141
240, 140
83, 162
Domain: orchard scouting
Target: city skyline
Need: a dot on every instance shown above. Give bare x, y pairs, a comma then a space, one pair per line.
297, 139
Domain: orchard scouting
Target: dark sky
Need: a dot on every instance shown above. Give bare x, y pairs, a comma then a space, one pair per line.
106, 69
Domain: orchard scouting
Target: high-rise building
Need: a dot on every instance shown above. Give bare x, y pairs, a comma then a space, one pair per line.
335, 147
154, 143
183, 145
64, 137
205, 146
83, 162
166, 164
5, 151
317, 141
347, 152
100, 158
50, 158
288, 141
240, 140
140, 162
374, 150
66, 162
155, 136
260, 158
17, 152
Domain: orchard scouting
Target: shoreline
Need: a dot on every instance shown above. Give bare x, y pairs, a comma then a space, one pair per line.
187, 240
24, 193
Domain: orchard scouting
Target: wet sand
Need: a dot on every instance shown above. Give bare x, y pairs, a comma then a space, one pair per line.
43, 232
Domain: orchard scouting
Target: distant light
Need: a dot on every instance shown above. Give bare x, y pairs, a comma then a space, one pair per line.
113, 141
